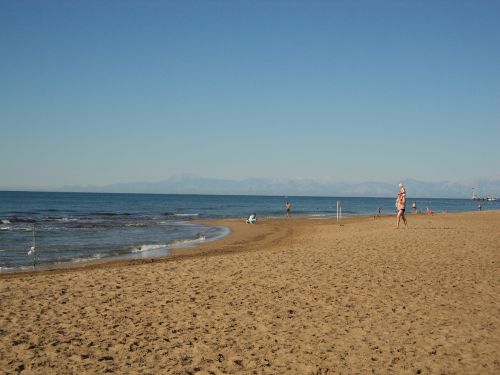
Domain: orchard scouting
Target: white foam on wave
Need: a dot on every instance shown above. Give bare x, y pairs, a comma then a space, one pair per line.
15, 269
4, 221
178, 243
181, 243
93, 257
135, 225
187, 215
179, 222
18, 229
143, 248
62, 219
66, 219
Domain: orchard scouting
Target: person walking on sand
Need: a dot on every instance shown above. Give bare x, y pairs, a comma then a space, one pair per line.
288, 207
414, 207
401, 205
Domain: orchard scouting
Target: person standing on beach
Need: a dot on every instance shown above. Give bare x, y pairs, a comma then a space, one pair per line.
288, 207
414, 206
401, 205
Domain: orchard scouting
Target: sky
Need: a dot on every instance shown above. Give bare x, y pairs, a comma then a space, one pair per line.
99, 92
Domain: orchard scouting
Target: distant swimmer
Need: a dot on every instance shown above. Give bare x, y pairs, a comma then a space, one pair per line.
288, 207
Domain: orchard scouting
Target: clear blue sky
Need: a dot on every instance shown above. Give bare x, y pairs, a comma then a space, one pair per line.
97, 92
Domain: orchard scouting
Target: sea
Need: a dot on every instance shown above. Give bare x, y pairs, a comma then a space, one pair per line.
68, 229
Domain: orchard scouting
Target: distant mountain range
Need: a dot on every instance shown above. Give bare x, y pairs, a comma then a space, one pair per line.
190, 184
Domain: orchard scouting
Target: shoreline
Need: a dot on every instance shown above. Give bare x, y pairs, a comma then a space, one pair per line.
215, 246
174, 252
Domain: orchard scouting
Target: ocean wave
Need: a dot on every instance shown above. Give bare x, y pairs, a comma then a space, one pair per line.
62, 219
112, 213
5, 222
15, 269
135, 225
187, 215
91, 225
182, 243
172, 223
143, 248
16, 219
15, 229
86, 259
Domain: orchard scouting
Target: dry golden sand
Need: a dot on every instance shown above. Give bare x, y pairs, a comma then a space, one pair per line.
293, 296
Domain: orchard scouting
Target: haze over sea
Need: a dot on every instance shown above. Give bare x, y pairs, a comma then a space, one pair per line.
72, 228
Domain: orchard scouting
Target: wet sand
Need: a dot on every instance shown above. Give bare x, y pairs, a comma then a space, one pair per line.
284, 296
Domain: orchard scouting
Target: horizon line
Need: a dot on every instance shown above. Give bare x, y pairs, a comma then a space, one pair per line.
225, 194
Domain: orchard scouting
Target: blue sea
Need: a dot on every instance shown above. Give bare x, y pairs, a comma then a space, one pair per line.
74, 228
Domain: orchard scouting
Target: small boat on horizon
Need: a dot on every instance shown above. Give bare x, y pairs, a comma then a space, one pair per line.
475, 197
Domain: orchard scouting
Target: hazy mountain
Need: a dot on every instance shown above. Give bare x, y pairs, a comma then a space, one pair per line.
189, 184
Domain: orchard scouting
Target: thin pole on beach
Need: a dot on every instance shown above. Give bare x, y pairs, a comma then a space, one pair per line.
34, 247
32, 250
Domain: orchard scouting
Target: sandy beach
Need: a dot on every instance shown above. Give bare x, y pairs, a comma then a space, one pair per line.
284, 296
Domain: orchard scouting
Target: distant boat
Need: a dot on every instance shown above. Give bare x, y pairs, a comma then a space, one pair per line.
475, 197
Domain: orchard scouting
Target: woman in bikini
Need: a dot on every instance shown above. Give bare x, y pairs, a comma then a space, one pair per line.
401, 205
